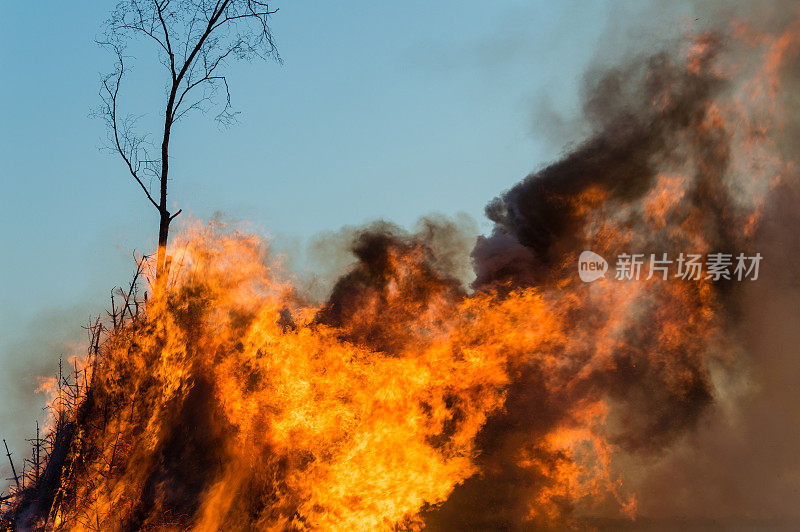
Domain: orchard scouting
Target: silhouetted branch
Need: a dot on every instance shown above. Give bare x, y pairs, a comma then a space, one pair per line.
127, 145
10, 461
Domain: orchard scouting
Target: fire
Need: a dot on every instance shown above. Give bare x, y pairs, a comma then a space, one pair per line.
220, 408
407, 400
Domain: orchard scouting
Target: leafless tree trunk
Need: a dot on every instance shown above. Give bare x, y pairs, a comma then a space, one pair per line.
193, 39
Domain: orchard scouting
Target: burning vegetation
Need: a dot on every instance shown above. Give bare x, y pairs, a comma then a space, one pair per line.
225, 400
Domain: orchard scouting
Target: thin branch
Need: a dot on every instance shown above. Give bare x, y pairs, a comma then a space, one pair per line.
113, 93
160, 9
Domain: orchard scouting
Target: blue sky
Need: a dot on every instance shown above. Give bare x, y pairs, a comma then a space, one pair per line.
381, 110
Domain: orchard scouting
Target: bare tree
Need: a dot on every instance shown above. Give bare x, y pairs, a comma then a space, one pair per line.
194, 40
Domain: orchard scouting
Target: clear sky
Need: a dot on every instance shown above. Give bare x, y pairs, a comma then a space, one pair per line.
381, 110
